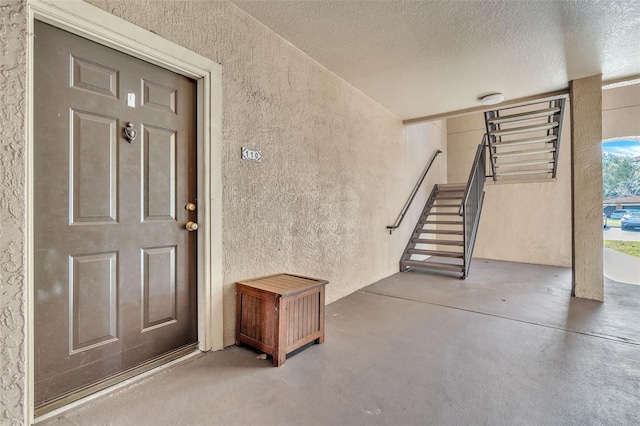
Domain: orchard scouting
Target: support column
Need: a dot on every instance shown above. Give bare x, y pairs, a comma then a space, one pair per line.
586, 187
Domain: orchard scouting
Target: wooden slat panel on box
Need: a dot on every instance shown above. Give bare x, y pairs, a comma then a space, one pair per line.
303, 317
280, 313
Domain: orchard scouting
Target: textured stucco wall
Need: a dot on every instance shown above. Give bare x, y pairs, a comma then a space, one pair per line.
521, 222
422, 140
621, 112
586, 166
335, 166
336, 169
12, 289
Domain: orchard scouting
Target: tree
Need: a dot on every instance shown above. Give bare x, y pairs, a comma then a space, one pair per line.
620, 175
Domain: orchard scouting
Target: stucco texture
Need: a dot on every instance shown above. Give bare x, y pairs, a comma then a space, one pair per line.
521, 222
12, 224
621, 112
336, 166
586, 165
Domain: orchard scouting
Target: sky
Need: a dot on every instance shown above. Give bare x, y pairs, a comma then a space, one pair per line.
628, 148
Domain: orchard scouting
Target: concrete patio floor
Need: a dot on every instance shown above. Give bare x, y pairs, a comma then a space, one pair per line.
506, 346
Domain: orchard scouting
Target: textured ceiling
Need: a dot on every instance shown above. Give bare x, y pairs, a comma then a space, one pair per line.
420, 58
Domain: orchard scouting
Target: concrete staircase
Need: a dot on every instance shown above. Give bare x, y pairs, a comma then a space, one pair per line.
437, 242
521, 144
524, 141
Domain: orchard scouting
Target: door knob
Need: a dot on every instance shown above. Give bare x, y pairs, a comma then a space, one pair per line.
190, 206
191, 226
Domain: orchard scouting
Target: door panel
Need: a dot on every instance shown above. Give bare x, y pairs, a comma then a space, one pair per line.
158, 96
94, 78
159, 280
93, 310
159, 153
94, 173
115, 268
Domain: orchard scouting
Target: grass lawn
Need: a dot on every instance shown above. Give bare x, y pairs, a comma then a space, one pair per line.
632, 248
613, 223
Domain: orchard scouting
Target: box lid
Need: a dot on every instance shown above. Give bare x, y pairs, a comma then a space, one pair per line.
283, 284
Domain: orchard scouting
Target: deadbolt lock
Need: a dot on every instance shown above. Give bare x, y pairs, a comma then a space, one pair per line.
190, 206
191, 226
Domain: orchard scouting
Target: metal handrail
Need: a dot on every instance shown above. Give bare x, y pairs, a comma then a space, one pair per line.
556, 154
471, 204
476, 162
413, 194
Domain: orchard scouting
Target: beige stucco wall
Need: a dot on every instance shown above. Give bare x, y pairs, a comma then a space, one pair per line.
586, 166
12, 223
425, 139
621, 112
336, 169
520, 222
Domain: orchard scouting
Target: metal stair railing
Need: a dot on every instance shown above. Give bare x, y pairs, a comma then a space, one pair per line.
404, 210
471, 205
557, 132
406, 255
508, 129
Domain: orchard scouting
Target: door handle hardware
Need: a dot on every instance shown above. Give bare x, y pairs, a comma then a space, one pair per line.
130, 133
190, 206
191, 226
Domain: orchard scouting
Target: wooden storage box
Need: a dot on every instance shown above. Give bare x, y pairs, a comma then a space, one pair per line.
280, 313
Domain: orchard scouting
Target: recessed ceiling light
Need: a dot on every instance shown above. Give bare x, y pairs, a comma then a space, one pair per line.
494, 98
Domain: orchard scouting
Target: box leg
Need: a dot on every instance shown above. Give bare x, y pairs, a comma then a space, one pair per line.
321, 338
279, 358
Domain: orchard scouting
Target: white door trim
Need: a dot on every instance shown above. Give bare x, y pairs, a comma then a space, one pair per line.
100, 26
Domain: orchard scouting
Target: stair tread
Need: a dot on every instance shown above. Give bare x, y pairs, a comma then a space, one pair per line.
445, 205
524, 115
448, 197
439, 231
451, 185
438, 253
524, 163
525, 172
524, 152
433, 265
525, 129
441, 222
539, 139
431, 241
442, 213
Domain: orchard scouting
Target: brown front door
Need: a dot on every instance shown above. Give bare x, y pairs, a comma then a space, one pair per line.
115, 266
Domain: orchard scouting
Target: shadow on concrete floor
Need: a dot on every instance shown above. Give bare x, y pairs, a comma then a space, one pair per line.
506, 346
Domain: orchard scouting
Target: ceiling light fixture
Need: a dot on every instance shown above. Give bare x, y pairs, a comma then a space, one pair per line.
494, 98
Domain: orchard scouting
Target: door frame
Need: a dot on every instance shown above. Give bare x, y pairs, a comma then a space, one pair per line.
97, 25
